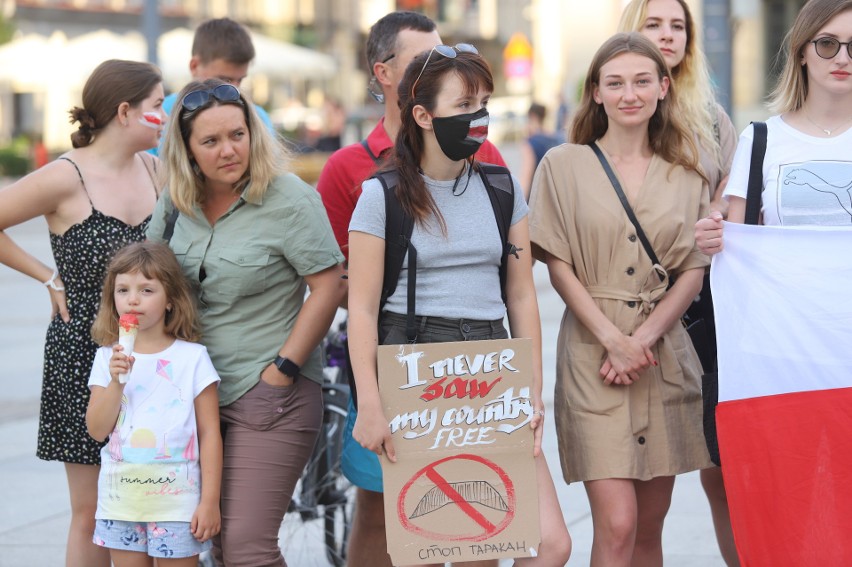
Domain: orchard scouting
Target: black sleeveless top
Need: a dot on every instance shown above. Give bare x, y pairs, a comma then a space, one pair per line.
81, 256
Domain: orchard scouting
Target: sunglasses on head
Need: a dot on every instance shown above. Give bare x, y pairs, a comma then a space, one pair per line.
222, 93
829, 47
450, 52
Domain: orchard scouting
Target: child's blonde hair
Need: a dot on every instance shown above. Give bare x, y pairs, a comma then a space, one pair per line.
156, 261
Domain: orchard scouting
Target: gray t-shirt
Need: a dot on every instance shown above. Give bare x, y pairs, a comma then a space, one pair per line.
457, 273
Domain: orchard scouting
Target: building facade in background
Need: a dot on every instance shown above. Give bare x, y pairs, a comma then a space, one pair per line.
563, 36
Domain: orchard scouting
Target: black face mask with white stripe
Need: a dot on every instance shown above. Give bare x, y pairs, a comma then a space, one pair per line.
460, 136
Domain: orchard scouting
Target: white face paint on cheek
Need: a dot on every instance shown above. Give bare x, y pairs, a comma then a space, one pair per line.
151, 120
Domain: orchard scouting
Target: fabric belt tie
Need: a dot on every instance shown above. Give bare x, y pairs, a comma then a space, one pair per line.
639, 393
646, 299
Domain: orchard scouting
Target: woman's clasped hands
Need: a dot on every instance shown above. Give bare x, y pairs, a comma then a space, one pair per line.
627, 356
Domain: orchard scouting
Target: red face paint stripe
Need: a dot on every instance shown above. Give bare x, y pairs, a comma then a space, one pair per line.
152, 118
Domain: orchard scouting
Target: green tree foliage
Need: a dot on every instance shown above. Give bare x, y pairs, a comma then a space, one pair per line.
7, 30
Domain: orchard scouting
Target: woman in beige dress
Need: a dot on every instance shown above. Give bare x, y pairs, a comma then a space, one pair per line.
628, 394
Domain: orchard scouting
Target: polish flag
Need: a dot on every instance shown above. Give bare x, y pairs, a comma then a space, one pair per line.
783, 302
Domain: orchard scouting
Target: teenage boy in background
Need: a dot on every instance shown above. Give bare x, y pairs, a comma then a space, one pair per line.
221, 49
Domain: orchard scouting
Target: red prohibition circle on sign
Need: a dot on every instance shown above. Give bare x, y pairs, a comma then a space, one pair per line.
489, 529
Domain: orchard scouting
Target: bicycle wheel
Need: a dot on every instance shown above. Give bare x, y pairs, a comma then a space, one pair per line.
315, 530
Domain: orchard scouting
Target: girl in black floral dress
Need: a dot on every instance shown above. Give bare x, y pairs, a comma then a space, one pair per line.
96, 198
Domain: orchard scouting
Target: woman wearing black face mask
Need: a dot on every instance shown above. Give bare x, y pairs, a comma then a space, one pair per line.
459, 250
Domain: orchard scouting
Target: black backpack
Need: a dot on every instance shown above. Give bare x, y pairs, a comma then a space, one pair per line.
399, 226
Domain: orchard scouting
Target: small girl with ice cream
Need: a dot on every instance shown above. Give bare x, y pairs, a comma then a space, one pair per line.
160, 477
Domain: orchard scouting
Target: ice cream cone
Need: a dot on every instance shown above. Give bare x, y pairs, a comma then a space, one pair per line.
128, 326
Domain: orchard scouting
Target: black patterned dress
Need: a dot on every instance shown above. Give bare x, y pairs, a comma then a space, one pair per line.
81, 256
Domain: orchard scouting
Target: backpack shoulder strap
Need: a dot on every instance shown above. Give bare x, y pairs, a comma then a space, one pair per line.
501, 191
398, 230
498, 177
755, 173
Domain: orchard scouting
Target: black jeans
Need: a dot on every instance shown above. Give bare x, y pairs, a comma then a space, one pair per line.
438, 329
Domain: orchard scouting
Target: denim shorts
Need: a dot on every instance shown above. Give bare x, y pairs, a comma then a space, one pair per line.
361, 466
173, 540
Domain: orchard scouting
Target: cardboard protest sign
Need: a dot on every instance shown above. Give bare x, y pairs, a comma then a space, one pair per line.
464, 486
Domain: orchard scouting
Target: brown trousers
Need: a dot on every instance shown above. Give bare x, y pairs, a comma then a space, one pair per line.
268, 436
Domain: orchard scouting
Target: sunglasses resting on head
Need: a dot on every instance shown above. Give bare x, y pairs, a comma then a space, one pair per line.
222, 93
448, 51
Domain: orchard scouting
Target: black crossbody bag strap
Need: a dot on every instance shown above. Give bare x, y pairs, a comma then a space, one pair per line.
755, 173
169, 229
627, 209
410, 323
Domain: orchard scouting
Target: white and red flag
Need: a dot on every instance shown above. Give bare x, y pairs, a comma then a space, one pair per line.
783, 302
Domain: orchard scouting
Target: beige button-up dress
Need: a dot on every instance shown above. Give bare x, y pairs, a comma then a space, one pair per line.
653, 427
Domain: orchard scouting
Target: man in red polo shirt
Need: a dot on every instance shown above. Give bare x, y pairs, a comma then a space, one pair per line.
393, 42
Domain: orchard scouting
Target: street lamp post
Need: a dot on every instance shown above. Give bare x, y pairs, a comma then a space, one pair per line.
717, 46
151, 28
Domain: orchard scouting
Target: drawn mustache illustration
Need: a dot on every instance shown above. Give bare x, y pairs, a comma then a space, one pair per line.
471, 491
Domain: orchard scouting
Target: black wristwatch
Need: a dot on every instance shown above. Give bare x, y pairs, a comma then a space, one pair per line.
287, 367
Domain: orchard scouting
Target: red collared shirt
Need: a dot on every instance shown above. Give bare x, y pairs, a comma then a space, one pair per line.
339, 183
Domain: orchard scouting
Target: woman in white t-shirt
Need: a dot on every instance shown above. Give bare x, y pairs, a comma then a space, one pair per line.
808, 165
807, 169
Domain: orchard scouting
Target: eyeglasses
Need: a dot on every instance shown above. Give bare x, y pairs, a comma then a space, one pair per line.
829, 47
222, 93
450, 52
389, 57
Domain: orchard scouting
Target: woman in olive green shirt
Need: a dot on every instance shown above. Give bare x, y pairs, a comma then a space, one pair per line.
250, 239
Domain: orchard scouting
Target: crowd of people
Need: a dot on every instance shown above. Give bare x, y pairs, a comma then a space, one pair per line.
180, 212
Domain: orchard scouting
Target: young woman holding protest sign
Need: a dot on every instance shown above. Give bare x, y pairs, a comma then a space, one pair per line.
628, 393
444, 121
670, 25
